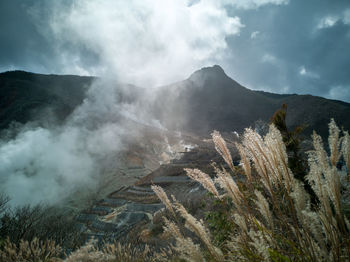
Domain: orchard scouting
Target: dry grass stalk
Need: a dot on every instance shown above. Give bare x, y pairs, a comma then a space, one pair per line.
324, 176
164, 198
245, 162
264, 208
127, 253
334, 142
346, 150
35, 250
184, 246
291, 230
278, 158
110, 253
226, 182
204, 179
200, 230
88, 253
257, 153
221, 147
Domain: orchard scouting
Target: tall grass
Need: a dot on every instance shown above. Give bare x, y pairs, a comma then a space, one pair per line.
273, 217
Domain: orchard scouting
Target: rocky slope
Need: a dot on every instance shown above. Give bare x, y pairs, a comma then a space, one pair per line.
132, 210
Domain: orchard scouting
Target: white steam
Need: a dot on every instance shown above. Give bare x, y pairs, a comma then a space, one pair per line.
149, 42
46, 165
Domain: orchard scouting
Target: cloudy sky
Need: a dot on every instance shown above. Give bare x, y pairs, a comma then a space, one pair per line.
282, 46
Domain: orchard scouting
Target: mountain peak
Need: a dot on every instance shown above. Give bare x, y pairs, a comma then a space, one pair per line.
214, 71
213, 74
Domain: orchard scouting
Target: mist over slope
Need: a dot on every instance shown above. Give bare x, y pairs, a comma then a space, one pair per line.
35, 97
207, 100
44, 160
74, 129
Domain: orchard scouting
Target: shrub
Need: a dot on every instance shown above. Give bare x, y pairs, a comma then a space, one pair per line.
114, 252
29, 222
35, 251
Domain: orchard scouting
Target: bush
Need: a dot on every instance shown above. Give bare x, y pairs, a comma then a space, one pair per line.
25, 223
35, 250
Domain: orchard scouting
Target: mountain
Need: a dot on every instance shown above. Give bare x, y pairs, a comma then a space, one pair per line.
121, 203
27, 96
205, 101
210, 100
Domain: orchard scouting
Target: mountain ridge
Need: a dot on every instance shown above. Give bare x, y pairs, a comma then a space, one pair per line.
208, 99
230, 106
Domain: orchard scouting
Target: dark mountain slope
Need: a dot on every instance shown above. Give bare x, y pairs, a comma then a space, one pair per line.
27, 96
209, 100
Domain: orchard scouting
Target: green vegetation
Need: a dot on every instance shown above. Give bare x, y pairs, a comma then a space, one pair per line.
219, 220
297, 162
292, 140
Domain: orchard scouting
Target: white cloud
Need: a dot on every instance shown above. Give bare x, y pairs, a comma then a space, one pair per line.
277, 90
307, 73
152, 41
327, 22
254, 34
269, 58
339, 92
253, 4
330, 20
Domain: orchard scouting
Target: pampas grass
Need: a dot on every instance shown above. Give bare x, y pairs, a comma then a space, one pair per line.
273, 217
202, 178
34, 250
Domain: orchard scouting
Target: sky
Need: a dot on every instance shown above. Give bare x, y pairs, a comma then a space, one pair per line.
281, 46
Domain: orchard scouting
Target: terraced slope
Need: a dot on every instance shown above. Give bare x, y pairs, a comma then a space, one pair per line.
127, 211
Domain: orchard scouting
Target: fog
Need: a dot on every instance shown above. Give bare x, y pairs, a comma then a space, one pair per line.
47, 164
146, 43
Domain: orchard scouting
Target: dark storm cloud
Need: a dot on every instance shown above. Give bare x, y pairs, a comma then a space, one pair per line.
302, 47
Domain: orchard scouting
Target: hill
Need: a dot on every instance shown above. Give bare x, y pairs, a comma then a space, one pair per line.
205, 101
27, 96
211, 100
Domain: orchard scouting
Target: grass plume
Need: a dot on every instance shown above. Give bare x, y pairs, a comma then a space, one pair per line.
276, 222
